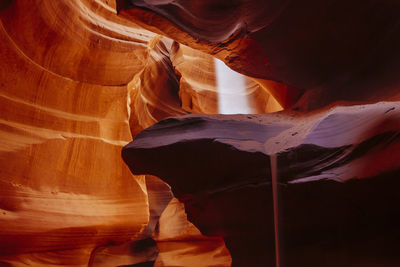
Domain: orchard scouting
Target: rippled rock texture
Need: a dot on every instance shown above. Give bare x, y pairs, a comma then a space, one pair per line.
338, 173
77, 82
63, 113
79, 79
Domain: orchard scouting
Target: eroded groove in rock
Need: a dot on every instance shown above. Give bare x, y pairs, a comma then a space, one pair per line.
153, 92
334, 50
200, 93
64, 118
333, 168
143, 248
76, 83
180, 243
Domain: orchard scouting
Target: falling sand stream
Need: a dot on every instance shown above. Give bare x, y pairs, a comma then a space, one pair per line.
274, 177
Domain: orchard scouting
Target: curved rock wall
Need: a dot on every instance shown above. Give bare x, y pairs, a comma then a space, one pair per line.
334, 50
199, 90
64, 119
76, 83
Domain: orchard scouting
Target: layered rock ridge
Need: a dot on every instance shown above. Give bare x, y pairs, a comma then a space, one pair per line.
338, 173
77, 81
331, 50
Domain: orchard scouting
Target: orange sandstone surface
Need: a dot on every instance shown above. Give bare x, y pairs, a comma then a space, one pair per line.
77, 82
80, 79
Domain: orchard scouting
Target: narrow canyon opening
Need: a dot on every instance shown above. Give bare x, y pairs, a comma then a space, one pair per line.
199, 133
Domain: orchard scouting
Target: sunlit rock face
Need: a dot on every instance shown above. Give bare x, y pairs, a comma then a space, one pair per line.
180, 243
77, 82
153, 92
207, 85
64, 118
337, 182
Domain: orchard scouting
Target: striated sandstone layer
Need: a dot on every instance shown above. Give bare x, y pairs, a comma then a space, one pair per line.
338, 173
153, 92
76, 83
64, 118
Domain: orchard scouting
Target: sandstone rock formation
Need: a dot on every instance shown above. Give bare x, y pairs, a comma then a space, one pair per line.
337, 187
199, 91
334, 50
79, 79
63, 110
76, 83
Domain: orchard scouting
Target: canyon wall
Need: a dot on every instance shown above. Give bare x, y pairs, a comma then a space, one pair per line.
77, 82
80, 79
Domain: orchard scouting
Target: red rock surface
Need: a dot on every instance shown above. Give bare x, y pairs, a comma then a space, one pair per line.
79, 80
334, 50
76, 83
337, 181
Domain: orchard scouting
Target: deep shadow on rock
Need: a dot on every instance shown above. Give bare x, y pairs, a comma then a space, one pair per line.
338, 182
